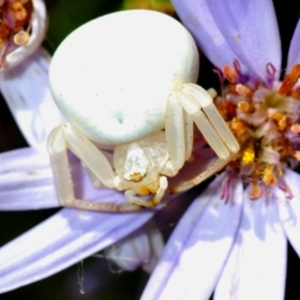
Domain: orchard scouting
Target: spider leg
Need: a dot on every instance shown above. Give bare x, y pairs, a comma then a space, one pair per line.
198, 103
179, 135
213, 115
64, 137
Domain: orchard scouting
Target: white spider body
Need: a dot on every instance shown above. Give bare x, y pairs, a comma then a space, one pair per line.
120, 73
125, 82
133, 160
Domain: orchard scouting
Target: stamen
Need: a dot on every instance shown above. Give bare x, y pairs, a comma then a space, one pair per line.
241, 77
295, 128
265, 123
297, 155
230, 74
282, 123
281, 120
21, 38
15, 24
242, 90
296, 93
237, 66
244, 106
290, 80
271, 71
227, 110
220, 75
19, 11
256, 191
277, 116
269, 177
227, 188
284, 187
238, 126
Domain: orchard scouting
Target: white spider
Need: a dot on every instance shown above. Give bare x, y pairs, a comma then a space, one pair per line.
125, 82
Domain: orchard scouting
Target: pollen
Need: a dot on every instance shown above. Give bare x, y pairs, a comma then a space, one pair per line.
248, 155
227, 110
238, 126
244, 106
269, 177
21, 38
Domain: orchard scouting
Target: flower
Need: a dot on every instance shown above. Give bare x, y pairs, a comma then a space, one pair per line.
24, 68
218, 228
22, 30
237, 247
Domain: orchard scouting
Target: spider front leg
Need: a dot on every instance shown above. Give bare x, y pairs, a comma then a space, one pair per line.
64, 137
179, 135
198, 104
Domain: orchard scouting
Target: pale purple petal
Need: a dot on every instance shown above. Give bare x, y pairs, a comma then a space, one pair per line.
197, 250
289, 209
142, 248
26, 91
196, 16
131, 252
157, 245
64, 239
294, 51
250, 28
256, 267
26, 181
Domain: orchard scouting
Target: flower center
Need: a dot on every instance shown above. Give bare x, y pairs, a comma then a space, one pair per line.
15, 18
265, 121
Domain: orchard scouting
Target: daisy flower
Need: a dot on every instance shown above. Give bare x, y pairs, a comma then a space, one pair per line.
212, 230
233, 239
24, 68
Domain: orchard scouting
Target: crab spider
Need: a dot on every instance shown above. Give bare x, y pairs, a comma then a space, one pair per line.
126, 82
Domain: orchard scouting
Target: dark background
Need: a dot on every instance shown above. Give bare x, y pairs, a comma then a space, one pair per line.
101, 281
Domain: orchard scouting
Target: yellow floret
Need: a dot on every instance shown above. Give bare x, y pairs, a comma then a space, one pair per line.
248, 156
